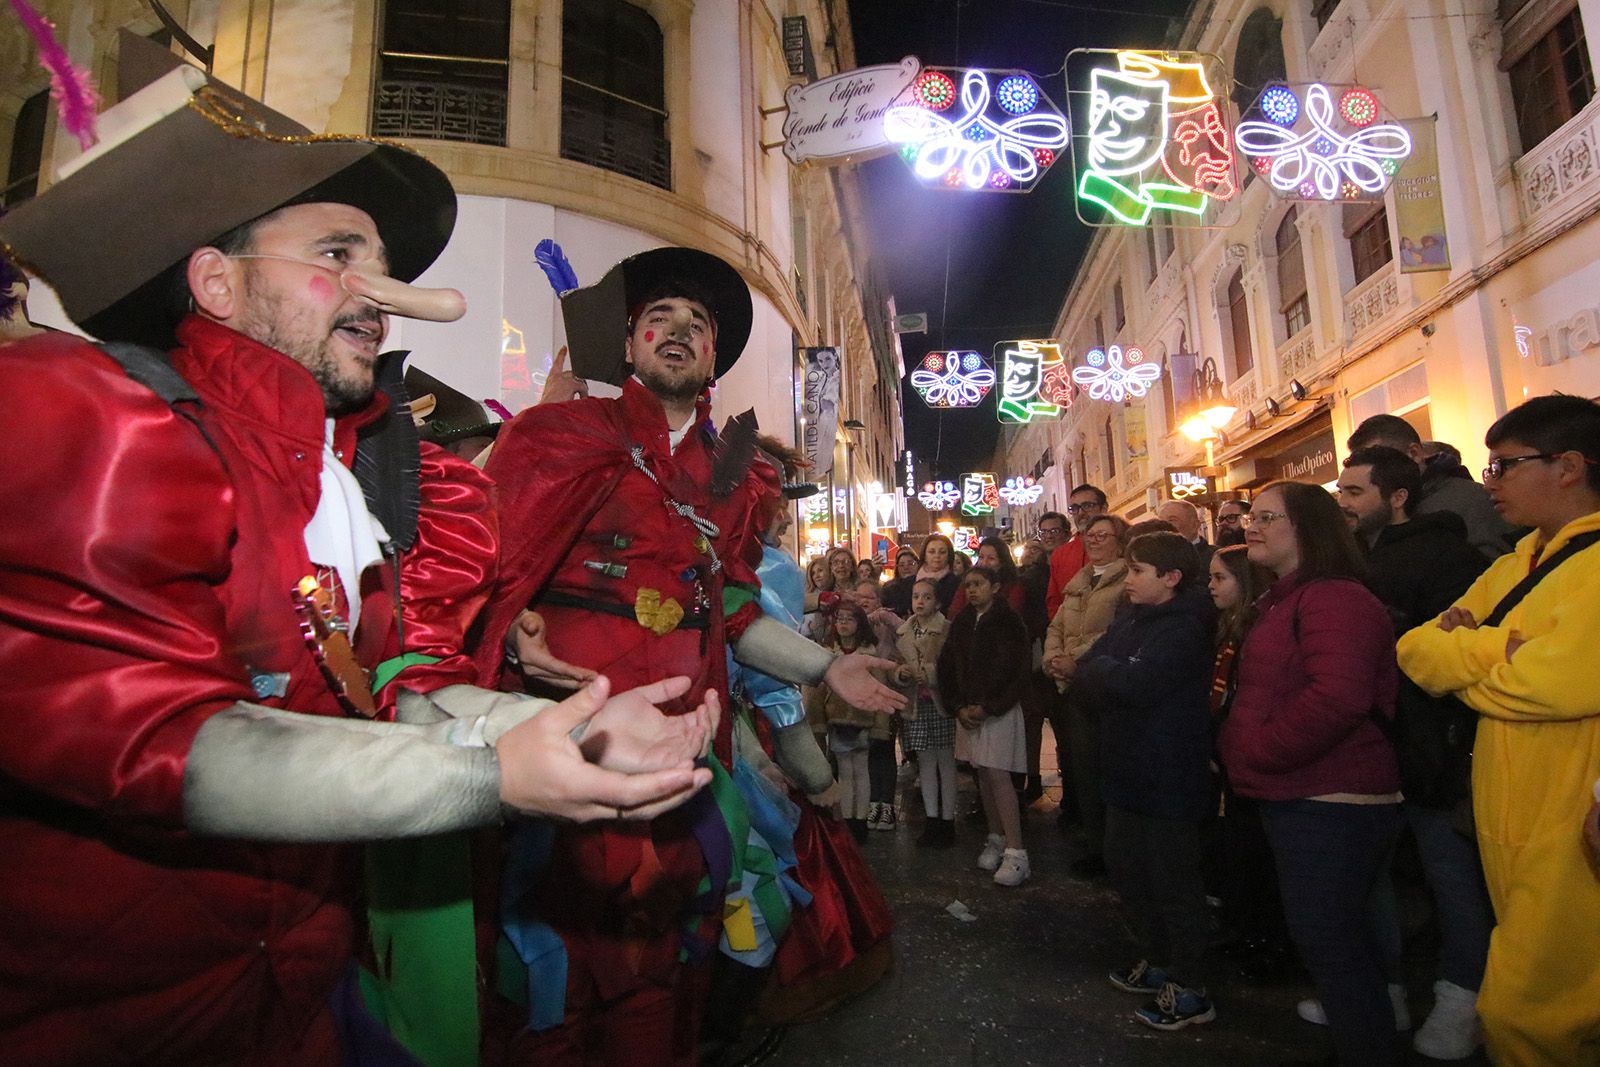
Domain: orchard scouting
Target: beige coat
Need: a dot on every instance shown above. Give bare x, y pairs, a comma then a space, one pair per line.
824, 707
1085, 613
920, 652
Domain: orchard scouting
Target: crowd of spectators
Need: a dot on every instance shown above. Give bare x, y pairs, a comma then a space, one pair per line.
1250, 730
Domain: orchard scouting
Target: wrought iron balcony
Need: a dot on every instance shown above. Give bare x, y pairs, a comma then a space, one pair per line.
445, 111
617, 134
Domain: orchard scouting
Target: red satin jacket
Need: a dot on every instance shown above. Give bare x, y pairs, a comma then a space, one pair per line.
572, 504
144, 578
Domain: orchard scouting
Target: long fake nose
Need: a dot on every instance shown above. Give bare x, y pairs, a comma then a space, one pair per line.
678, 329
395, 297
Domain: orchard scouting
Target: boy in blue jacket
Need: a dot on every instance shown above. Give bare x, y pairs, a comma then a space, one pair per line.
1150, 676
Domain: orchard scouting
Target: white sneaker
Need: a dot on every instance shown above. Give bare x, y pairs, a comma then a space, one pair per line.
993, 849
1452, 1031
1014, 868
874, 816
887, 820
1311, 1009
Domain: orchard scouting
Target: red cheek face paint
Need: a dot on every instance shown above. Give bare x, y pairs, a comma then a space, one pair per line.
649, 335
320, 287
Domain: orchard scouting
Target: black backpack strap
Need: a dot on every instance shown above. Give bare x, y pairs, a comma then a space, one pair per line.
1578, 543
149, 367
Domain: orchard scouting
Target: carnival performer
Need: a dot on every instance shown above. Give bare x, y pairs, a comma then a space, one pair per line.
203, 625
635, 533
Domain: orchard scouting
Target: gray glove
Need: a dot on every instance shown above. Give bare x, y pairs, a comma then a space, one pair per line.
269, 775
773, 649
801, 758
481, 715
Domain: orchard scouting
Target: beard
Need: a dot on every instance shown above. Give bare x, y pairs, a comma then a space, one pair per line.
665, 382
272, 321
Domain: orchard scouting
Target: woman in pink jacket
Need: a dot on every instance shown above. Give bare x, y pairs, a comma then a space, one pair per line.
1306, 738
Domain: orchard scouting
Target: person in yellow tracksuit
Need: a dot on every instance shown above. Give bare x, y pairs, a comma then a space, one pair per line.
1531, 680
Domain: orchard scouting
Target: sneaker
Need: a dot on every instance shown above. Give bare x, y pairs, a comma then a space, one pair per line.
1014, 868
1176, 1007
887, 820
1452, 1030
874, 815
1311, 1009
1140, 978
993, 849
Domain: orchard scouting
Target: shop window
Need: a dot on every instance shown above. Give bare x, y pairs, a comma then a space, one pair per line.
27, 149
1119, 309
1366, 227
1293, 302
1552, 80
1241, 352
442, 71
613, 90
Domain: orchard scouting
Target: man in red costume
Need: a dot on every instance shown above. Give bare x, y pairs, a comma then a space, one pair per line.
203, 624
635, 532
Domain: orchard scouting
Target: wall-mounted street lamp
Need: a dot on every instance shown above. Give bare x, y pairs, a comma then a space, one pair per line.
1212, 409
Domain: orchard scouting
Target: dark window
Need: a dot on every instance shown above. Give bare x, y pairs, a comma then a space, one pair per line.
1322, 11
1552, 81
1118, 307
27, 149
1099, 331
1243, 353
1292, 299
613, 90
1367, 229
442, 71
1152, 257
1110, 442
1258, 60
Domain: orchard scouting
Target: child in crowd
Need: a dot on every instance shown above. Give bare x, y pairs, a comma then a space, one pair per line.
1150, 675
929, 732
982, 671
1242, 860
849, 730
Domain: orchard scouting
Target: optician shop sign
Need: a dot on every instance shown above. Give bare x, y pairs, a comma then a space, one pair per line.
1314, 460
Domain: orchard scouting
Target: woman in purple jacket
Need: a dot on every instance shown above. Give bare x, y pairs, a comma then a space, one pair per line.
1306, 738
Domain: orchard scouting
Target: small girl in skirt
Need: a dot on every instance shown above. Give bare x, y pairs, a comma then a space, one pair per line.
849, 730
929, 732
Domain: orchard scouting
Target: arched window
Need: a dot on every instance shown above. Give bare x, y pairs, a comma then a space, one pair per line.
1241, 352
1292, 299
442, 70
1257, 60
27, 149
613, 90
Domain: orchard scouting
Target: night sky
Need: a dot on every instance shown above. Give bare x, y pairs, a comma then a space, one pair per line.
1011, 256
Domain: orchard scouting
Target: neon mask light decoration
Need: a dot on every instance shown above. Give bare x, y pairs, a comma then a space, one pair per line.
1034, 381
965, 539
939, 496
817, 507
1001, 137
1311, 150
1108, 377
979, 494
1157, 140
952, 379
1020, 491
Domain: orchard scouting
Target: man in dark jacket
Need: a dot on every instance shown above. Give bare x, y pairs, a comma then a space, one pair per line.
1444, 489
1418, 565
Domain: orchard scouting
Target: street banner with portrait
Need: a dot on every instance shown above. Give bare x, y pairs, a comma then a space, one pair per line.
820, 408
1418, 205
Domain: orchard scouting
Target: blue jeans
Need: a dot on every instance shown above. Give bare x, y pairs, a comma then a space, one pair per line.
1329, 859
1461, 900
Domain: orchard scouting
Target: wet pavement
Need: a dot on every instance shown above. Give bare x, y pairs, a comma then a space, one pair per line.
1025, 982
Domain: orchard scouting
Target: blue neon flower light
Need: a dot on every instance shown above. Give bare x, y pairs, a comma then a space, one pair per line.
1017, 95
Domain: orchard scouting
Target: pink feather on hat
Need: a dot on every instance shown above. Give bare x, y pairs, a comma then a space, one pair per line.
77, 103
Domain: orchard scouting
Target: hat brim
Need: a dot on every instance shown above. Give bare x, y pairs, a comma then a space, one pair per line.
596, 317
108, 236
454, 416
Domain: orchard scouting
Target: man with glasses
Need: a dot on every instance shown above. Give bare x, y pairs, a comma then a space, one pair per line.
1230, 522
1526, 668
1446, 485
1085, 504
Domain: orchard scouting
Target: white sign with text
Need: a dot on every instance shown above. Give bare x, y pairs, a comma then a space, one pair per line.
840, 118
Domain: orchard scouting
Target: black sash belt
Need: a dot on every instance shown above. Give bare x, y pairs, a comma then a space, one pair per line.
556, 599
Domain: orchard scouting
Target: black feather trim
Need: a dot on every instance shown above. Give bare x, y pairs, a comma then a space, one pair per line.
733, 453
389, 457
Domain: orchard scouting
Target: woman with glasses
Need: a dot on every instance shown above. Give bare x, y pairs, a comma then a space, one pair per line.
1306, 738
1088, 603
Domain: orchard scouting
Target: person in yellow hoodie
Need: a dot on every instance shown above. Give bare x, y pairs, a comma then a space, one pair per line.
1529, 675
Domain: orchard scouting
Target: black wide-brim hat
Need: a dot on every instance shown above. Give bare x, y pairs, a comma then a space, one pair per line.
183, 161
597, 316
453, 415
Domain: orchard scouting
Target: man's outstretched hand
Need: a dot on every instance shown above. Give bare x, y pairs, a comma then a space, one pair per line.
630, 734
851, 677
543, 771
527, 642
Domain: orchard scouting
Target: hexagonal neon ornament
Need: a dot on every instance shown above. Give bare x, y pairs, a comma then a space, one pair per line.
1309, 146
999, 132
956, 379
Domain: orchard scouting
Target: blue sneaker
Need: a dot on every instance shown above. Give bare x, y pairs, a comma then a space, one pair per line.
1176, 1007
1140, 978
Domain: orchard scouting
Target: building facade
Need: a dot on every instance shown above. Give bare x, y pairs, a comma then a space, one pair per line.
576, 120
1306, 312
